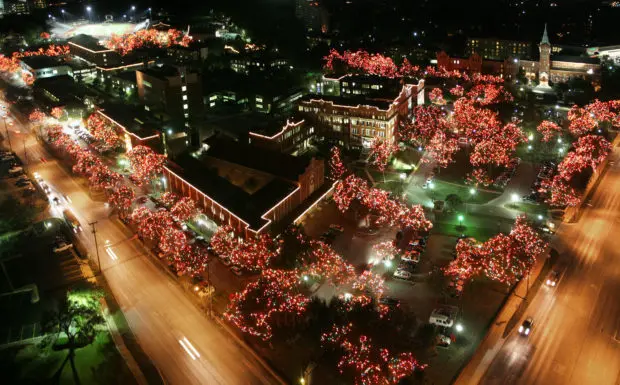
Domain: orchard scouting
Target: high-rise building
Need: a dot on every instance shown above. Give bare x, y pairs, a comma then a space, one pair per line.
312, 14
498, 49
17, 7
173, 91
39, 4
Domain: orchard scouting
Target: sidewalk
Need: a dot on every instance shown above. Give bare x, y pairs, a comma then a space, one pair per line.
501, 326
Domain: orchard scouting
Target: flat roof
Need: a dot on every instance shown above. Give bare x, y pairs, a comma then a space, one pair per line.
64, 88
39, 62
161, 72
575, 59
88, 42
248, 207
134, 119
353, 101
271, 162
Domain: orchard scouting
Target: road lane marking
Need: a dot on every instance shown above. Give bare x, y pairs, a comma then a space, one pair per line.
111, 253
191, 347
187, 350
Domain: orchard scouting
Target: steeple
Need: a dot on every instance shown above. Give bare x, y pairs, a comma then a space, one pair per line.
545, 37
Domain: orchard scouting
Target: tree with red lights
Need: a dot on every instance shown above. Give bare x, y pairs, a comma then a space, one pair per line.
457, 91
503, 258
479, 177
549, 130
252, 254
436, 95
561, 193
365, 363
104, 131
85, 163
593, 149
145, 163
57, 112
190, 260
145, 38
336, 168
184, 209
36, 116
441, 149
224, 240
122, 198
385, 251
380, 154
581, 121
168, 199
54, 133
274, 294
101, 177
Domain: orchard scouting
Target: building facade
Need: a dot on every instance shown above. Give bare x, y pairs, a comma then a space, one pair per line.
173, 91
357, 121
44, 66
293, 137
498, 49
217, 179
88, 48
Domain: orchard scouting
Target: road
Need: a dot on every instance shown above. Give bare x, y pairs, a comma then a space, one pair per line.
576, 336
186, 347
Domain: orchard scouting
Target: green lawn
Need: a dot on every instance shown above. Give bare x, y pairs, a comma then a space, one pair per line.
98, 363
528, 208
479, 227
442, 189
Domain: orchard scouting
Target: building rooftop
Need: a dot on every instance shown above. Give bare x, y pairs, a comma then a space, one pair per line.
134, 119
271, 125
39, 62
352, 101
62, 90
88, 42
161, 72
271, 162
129, 76
247, 206
575, 59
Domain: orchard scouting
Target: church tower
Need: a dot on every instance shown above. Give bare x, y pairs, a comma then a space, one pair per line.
545, 58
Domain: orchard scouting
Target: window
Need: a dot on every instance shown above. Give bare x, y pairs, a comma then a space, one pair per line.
186, 115
212, 104
185, 106
184, 88
184, 97
147, 84
214, 97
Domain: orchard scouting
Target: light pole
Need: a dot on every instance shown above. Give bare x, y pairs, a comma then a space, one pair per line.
62, 11
88, 9
92, 224
472, 192
460, 218
7, 134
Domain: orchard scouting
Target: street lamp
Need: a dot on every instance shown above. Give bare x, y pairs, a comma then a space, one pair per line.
460, 218
472, 192
63, 14
459, 328
514, 198
88, 9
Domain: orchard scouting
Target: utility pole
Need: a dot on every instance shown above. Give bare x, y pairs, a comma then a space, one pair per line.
92, 224
6, 129
211, 290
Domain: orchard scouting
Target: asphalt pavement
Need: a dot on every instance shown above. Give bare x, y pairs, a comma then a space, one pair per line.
576, 335
186, 347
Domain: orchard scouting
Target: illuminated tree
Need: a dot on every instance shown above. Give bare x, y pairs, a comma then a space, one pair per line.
436, 95
145, 163
336, 168
593, 149
168, 199
44, 35
385, 251
441, 149
85, 163
145, 38
479, 177
122, 198
57, 112
549, 130
36, 116
503, 258
365, 363
380, 153
104, 131
184, 209
101, 177
561, 194
274, 294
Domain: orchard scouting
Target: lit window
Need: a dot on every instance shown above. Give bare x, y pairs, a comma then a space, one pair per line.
211, 104
185, 106
186, 115
184, 88
184, 97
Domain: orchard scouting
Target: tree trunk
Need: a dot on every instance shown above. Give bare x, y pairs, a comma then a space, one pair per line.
76, 377
56, 376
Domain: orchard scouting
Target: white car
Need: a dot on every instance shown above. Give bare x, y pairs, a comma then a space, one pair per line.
402, 274
61, 246
526, 326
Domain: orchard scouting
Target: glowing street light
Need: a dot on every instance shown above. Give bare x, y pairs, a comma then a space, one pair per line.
387, 263
472, 191
133, 7
459, 328
514, 198
402, 176
460, 218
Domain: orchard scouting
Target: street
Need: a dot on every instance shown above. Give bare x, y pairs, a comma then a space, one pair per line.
576, 333
186, 347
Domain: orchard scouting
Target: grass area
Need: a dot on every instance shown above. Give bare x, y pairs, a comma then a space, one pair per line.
98, 363
476, 226
541, 152
528, 208
442, 189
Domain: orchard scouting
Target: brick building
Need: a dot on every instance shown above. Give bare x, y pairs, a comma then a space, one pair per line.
244, 186
291, 137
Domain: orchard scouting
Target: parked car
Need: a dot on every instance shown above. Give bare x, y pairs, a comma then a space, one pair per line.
336, 228
402, 274
389, 302
15, 170
61, 245
526, 327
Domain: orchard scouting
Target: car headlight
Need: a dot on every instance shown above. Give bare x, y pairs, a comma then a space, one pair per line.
527, 331
548, 282
553, 283
520, 329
